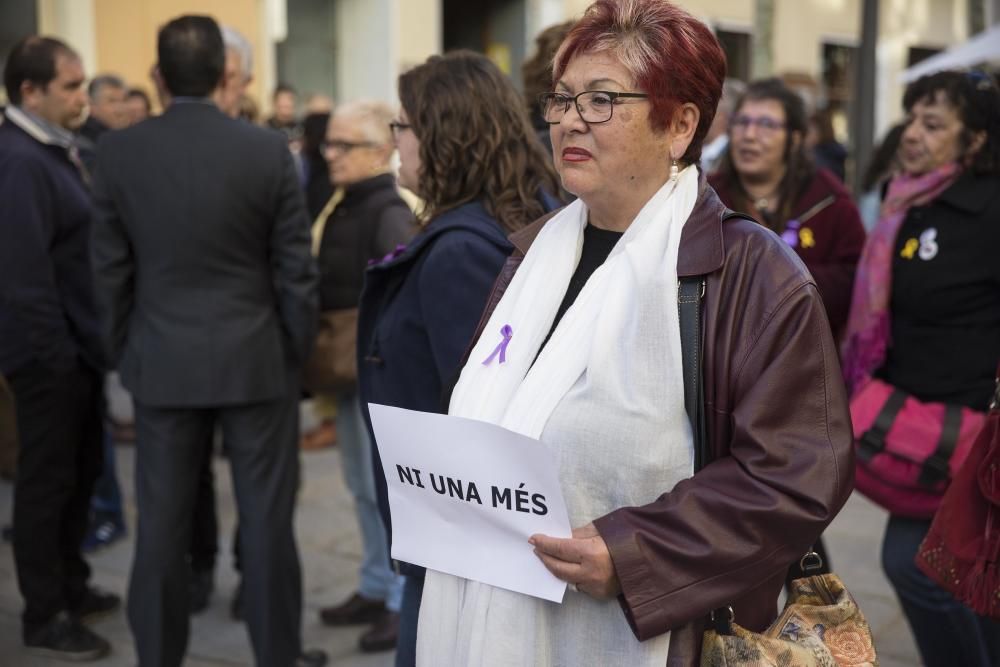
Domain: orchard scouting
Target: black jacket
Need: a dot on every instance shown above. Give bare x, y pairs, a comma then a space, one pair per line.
418, 313
87, 137
370, 221
47, 310
202, 257
945, 301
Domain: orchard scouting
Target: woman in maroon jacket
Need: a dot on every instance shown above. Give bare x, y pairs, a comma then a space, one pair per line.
580, 348
768, 174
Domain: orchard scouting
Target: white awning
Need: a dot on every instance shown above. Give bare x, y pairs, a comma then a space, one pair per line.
983, 48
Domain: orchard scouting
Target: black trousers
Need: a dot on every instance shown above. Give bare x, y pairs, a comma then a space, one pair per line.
59, 418
261, 440
204, 546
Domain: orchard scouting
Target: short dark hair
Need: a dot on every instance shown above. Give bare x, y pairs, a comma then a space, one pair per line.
283, 88
141, 94
102, 81
192, 55
976, 99
536, 71
32, 59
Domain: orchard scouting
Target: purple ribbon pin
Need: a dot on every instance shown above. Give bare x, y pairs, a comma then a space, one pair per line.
507, 332
388, 258
791, 233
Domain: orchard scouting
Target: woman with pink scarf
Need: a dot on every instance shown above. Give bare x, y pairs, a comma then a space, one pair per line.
925, 316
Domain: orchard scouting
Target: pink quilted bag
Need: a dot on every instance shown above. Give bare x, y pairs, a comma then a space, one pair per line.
908, 451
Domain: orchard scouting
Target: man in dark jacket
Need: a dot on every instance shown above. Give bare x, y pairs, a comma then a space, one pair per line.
106, 97
208, 297
49, 345
106, 94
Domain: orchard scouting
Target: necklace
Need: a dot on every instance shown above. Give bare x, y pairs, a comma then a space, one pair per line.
761, 202
765, 202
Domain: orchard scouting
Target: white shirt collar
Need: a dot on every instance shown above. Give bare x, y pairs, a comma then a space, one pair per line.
38, 128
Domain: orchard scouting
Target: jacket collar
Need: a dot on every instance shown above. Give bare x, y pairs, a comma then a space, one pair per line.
369, 185
701, 252
192, 105
38, 129
471, 217
970, 193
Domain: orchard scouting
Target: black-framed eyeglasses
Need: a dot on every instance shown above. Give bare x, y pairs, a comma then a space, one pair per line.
345, 146
742, 122
594, 106
398, 126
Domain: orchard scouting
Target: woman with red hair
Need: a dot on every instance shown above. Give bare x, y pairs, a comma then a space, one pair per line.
587, 307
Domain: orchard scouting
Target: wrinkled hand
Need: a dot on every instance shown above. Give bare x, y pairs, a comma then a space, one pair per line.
582, 560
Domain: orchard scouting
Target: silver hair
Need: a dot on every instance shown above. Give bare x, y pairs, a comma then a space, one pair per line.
102, 81
373, 116
234, 40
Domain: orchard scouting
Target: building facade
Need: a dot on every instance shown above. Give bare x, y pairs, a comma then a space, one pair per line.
350, 49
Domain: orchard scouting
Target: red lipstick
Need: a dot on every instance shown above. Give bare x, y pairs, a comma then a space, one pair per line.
571, 154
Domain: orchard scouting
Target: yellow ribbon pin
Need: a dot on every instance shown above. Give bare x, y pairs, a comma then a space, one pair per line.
909, 249
806, 238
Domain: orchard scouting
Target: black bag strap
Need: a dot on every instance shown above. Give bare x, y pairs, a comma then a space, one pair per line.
935, 468
873, 440
690, 292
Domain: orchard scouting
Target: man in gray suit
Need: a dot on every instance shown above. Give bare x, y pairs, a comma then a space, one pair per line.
208, 292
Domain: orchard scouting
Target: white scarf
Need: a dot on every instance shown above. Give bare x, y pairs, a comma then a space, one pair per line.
615, 357
622, 329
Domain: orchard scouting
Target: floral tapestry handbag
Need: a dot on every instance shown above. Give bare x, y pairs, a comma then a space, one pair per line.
821, 625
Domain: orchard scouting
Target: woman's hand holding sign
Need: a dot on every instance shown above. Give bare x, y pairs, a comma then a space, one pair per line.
582, 560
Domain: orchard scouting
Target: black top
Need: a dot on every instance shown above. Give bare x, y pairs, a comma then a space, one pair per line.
369, 222
597, 245
945, 303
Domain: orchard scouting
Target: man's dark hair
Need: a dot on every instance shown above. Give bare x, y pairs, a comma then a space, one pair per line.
192, 56
102, 81
283, 88
32, 59
141, 94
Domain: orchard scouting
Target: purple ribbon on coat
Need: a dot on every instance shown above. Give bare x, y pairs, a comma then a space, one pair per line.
791, 233
391, 256
501, 349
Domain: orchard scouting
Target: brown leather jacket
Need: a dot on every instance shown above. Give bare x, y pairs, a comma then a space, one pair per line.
778, 425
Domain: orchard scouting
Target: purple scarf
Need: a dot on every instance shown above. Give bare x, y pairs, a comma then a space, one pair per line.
868, 334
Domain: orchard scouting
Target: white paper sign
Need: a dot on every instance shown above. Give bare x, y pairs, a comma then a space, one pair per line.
465, 496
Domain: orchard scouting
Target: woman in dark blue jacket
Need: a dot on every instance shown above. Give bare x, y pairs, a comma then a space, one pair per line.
466, 147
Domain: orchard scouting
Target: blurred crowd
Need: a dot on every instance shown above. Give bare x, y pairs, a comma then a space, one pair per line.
203, 282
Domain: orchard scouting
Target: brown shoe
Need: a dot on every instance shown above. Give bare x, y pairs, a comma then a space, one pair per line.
356, 610
321, 437
383, 635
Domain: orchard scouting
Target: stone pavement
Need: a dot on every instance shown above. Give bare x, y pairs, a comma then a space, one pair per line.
330, 550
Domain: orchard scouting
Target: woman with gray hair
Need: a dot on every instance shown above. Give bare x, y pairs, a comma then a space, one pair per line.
364, 220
